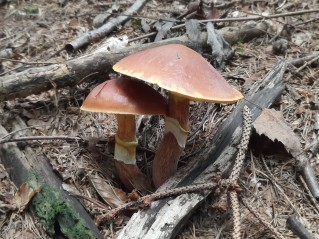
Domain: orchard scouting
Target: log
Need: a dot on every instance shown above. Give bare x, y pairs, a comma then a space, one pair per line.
164, 218
26, 166
73, 72
97, 65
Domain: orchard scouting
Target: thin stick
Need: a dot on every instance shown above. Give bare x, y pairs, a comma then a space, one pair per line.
307, 63
146, 200
309, 194
58, 137
261, 219
235, 19
29, 62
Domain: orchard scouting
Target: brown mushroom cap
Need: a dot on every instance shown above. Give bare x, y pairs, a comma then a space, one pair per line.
180, 70
124, 96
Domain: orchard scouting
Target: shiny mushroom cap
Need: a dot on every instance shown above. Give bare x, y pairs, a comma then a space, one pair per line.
180, 70
125, 96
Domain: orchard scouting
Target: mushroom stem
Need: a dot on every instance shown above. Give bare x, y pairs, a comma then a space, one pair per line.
125, 155
170, 149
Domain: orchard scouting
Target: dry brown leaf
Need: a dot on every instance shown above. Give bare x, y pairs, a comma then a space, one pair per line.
271, 123
114, 197
23, 196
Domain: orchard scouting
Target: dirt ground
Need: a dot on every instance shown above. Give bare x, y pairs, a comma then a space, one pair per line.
37, 31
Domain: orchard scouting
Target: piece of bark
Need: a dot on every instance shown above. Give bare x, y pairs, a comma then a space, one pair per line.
29, 167
95, 66
107, 28
165, 217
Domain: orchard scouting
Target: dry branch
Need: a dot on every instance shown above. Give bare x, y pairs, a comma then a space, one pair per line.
165, 217
107, 28
29, 167
98, 65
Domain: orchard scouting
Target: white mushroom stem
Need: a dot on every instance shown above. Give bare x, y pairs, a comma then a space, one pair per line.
170, 149
125, 155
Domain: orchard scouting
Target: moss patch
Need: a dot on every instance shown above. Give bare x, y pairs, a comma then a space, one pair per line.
50, 207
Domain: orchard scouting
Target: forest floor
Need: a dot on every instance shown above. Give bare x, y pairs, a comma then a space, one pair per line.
37, 31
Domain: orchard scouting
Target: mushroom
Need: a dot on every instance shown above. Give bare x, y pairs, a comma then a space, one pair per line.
187, 76
126, 98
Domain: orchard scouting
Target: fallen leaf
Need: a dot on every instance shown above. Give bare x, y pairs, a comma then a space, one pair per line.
114, 197
23, 196
271, 123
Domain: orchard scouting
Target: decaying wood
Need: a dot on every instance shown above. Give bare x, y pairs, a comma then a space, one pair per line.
20, 165
107, 28
95, 66
165, 217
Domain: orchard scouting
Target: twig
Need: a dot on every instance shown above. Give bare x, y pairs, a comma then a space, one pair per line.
10, 135
235, 19
274, 181
129, 15
58, 137
208, 113
102, 31
307, 63
312, 198
146, 200
29, 62
261, 219
300, 61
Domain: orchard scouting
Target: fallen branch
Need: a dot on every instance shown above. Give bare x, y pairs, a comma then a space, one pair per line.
98, 65
107, 28
164, 218
73, 220
95, 66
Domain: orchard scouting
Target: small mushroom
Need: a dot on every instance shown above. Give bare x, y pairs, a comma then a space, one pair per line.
187, 76
126, 98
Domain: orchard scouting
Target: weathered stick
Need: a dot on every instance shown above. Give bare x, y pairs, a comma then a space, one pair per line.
73, 220
164, 218
294, 224
104, 30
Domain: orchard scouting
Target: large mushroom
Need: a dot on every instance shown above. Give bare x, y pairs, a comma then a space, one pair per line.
126, 98
187, 76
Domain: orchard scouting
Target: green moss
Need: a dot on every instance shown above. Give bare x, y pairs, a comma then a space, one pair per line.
31, 10
239, 50
50, 207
